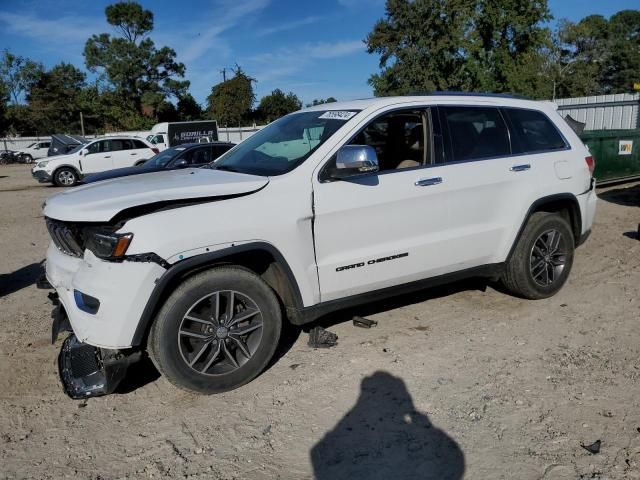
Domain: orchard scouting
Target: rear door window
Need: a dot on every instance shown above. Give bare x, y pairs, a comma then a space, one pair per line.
198, 156
533, 132
474, 133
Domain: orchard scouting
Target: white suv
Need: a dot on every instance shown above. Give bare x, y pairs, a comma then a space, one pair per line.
327, 207
34, 151
96, 156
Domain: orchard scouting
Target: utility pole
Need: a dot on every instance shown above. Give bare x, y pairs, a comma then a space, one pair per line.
224, 74
81, 124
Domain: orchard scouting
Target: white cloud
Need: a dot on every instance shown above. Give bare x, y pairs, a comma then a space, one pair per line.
287, 61
66, 31
288, 26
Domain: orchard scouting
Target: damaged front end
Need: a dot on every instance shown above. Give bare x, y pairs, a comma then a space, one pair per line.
88, 371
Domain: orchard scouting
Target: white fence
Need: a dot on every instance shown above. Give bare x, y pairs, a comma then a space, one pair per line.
231, 134
603, 112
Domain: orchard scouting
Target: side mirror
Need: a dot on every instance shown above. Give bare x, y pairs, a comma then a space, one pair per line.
83, 152
354, 160
182, 163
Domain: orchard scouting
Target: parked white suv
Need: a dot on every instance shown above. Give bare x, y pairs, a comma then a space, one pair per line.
327, 207
96, 156
34, 151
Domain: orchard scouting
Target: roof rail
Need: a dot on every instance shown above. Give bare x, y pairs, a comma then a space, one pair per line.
467, 94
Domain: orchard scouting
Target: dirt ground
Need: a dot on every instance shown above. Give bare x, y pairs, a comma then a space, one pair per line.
461, 381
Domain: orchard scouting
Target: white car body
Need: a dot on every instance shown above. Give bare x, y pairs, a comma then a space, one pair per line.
336, 240
99, 155
36, 150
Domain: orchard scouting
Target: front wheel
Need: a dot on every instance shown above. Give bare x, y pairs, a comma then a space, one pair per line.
65, 177
27, 158
217, 331
542, 259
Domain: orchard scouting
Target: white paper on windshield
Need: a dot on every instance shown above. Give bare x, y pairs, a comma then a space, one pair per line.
337, 115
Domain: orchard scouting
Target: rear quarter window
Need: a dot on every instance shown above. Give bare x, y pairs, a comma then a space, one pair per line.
533, 132
139, 144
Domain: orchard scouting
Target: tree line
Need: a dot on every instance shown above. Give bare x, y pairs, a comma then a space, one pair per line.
423, 45
502, 46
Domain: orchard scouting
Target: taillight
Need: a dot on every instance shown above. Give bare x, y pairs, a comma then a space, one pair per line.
591, 163
155, 150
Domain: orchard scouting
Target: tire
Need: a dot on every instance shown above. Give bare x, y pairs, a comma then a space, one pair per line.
27, 158
65, 177
216, 362
138, 164
534, 270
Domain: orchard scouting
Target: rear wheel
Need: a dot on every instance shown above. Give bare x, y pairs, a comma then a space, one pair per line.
542, 259
65, 177
217, 331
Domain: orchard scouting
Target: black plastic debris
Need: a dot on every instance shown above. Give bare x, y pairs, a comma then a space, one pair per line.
321, 338
593, 448
364, 322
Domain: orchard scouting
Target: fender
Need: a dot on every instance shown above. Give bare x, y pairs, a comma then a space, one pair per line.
550, 199
184, 267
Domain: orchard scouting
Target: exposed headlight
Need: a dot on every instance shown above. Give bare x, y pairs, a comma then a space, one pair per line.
108, 246
43, 163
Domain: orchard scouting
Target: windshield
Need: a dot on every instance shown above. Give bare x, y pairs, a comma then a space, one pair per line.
77, 148
32, 145
283, 145
164, 157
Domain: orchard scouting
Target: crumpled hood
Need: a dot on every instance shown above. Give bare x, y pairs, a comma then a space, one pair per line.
100, 202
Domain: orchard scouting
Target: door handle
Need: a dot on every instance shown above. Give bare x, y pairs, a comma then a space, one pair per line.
426, 182
134, 153
107, 156
520, 168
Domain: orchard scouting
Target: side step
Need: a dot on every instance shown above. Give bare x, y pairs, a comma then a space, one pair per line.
88, 371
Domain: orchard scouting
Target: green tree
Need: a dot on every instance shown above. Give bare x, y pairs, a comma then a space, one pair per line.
18, 74
427, 45
578, 57
4, 120
231, 101
421, 45
132, 63
623, 68
321, 101
188, 108
597, 55
55, 100
277, 104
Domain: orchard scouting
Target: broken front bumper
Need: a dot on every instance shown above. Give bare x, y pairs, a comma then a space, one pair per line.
88, 371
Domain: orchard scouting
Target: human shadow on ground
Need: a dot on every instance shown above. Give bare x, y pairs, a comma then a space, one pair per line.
21, 278
384, 437
625, 196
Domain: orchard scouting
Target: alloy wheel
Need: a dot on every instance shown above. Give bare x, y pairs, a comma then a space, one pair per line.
548, 257
220, 332
66, 178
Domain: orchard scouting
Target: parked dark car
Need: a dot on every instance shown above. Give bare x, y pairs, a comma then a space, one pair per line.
181, 156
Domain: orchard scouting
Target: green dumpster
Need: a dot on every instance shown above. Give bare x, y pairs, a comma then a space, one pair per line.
616, 152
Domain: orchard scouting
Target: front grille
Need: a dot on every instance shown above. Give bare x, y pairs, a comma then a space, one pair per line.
65, 238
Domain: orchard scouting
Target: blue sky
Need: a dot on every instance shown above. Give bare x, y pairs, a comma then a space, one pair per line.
314, 49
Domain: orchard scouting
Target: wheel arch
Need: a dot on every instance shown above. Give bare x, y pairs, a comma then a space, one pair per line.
564, 203
71, 167
261, 258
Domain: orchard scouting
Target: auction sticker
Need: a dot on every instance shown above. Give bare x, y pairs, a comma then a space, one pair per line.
625, 147
337, 115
